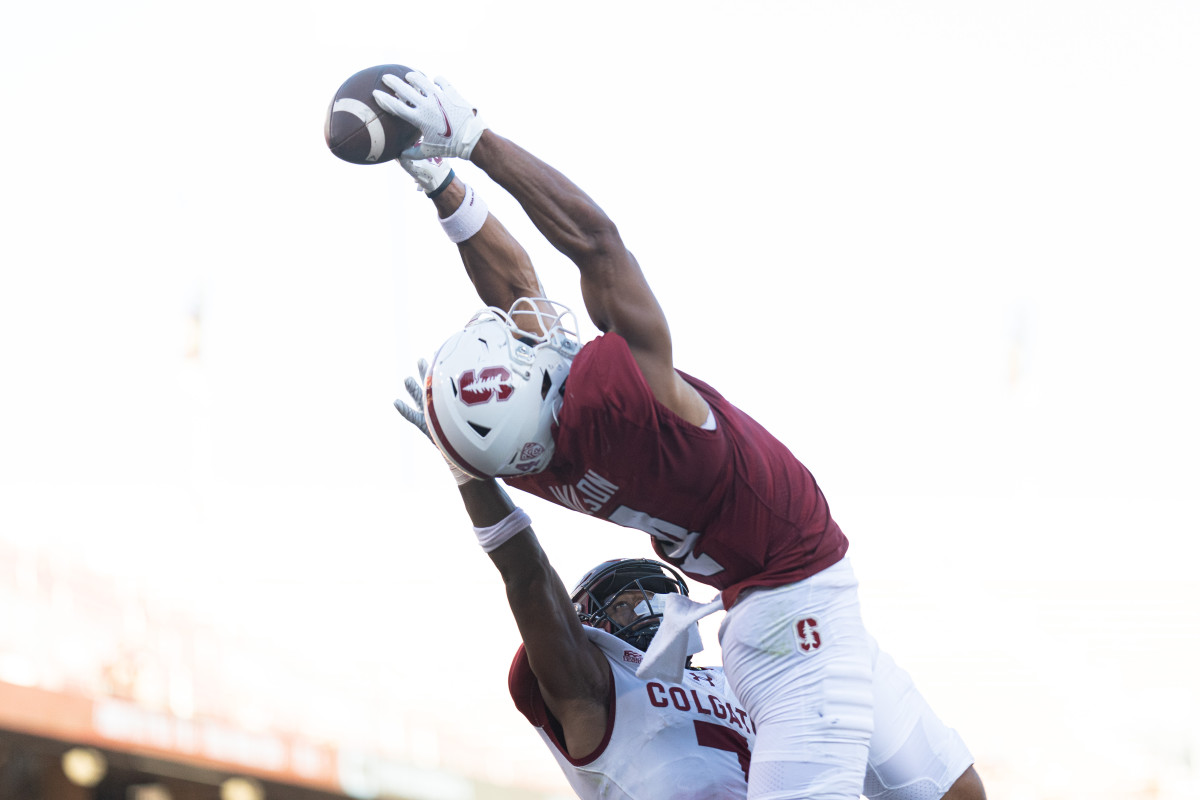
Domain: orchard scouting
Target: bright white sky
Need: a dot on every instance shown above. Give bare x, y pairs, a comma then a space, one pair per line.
945, 250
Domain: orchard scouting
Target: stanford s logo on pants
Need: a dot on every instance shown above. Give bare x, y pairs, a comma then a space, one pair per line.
807, 636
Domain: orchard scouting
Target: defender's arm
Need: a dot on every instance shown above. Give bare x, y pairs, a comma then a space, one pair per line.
572, 673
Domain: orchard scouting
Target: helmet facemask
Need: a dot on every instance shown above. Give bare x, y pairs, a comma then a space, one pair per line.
634, 616
625, 598
536, 321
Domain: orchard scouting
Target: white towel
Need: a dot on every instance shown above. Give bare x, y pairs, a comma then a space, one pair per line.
678, 637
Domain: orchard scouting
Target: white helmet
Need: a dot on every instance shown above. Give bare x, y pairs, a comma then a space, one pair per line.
495, 388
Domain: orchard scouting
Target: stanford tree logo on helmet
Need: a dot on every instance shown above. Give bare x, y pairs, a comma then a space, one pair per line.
489, 383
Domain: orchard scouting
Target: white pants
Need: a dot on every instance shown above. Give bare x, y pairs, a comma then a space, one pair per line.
829, 707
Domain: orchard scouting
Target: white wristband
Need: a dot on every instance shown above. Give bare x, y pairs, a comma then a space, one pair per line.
467, 219
493, 536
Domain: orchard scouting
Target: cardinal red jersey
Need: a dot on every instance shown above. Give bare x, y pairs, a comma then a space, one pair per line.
753, 512
664, 741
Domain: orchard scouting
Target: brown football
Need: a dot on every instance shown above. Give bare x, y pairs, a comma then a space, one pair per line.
357, 129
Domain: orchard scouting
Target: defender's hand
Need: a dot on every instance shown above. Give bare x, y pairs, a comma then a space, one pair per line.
415, 414
449, 125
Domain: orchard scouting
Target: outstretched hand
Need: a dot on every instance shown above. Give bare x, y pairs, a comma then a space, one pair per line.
431, 174
449, 125
415, 414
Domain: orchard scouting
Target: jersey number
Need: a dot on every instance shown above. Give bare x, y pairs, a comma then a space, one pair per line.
718, 737
676, 540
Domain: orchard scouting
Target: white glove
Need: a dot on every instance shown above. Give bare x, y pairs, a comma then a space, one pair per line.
417, 417
431, 174
449, 125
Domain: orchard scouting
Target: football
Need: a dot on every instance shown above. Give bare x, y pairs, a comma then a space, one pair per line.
357, 129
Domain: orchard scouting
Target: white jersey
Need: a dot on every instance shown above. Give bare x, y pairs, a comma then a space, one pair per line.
665, 741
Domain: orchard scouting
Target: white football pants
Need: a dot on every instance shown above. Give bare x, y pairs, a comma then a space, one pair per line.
828, 705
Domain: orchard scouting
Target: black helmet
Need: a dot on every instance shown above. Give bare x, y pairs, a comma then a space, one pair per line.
607, 580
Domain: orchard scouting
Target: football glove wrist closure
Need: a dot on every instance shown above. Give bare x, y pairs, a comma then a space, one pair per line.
432, 175
442, 187
461, 478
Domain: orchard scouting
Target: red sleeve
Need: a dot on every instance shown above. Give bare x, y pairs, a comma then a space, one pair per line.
526, 695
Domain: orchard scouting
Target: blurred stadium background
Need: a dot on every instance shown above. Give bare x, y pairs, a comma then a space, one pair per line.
967, 236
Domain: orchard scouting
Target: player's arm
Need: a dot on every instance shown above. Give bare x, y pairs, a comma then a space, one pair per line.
615, 290
616, 293
497, 264
572, 673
